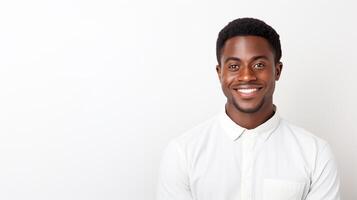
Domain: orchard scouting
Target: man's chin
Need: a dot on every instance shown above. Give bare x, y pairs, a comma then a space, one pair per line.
248, 108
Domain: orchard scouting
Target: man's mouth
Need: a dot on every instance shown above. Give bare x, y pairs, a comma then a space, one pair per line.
248, 92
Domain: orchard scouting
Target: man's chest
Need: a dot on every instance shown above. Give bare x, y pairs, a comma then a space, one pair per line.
249, 172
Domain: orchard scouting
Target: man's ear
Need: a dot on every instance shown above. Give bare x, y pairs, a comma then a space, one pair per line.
278, 69
219, 70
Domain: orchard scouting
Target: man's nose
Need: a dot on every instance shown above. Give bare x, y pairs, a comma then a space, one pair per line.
247, 74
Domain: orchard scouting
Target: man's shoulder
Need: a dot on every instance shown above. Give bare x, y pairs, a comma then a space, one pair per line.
314, 150
302, 136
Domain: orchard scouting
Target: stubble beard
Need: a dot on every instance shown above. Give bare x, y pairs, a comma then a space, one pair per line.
249, 110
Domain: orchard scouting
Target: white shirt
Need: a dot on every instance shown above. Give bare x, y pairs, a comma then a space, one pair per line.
219, 160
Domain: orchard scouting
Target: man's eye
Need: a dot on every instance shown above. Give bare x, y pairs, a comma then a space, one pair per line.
258, 66
233, 67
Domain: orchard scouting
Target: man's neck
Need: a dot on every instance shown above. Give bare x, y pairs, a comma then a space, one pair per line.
250, 120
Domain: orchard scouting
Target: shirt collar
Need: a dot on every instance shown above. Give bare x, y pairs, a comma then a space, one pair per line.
235, 131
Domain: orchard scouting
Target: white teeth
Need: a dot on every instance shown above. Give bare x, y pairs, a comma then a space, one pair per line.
247, 90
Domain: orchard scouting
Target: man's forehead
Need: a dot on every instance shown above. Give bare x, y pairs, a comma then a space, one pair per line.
246, 46
247, 41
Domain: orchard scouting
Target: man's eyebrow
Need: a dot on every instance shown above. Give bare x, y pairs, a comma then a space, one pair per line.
231, 58
260, 57
252, 59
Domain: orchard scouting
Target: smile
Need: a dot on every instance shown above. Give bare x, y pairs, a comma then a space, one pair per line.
247, 90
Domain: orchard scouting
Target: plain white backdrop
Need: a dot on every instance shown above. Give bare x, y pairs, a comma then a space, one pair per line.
92, 91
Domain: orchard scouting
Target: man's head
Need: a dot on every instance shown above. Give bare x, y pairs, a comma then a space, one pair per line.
248, 54
246, 27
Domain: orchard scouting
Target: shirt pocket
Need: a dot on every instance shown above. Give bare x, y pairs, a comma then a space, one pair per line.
274, 189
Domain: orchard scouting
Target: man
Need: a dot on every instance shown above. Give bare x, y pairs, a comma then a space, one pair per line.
248, 152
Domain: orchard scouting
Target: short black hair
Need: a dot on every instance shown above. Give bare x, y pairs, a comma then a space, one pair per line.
246, 27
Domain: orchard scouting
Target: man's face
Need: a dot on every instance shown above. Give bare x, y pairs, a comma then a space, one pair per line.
247, 73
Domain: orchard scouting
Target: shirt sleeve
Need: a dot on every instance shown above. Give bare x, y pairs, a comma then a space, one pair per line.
173, 182
325, 183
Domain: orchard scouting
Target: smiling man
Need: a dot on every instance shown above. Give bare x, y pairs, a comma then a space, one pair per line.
248, 152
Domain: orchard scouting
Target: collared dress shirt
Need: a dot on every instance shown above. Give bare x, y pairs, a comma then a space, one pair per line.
219, 160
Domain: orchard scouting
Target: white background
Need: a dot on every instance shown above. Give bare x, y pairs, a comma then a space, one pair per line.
92, 91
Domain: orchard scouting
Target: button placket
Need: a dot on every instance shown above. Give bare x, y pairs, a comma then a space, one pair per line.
247, 165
